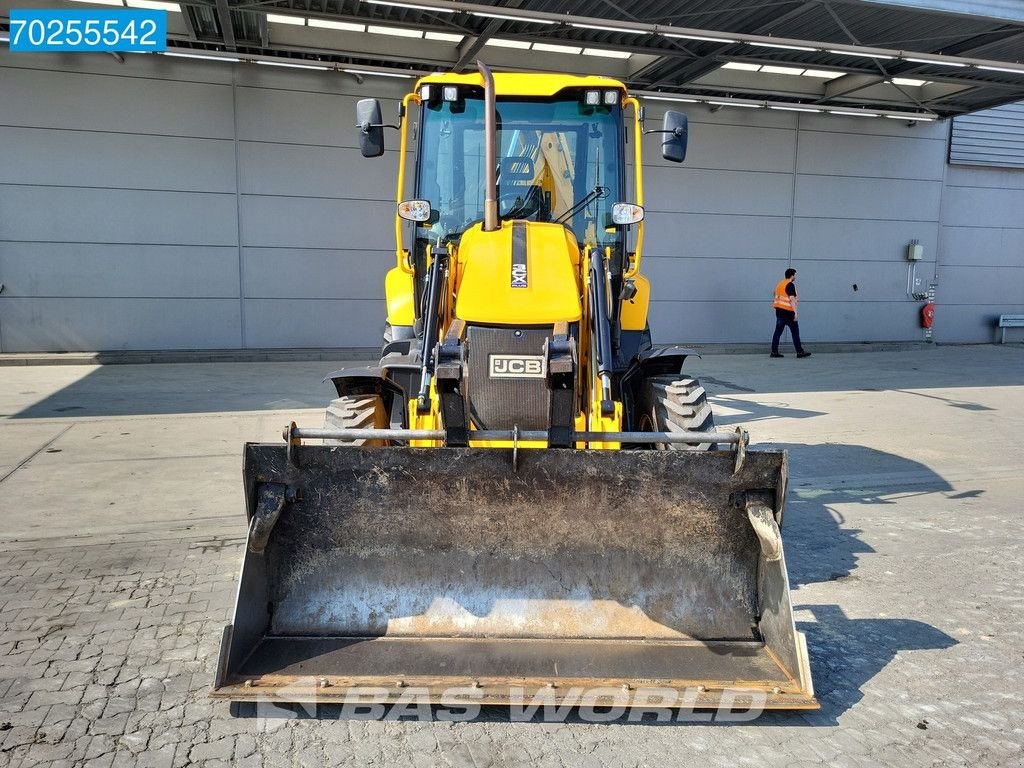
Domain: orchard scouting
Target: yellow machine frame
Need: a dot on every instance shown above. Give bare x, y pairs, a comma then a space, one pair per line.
399, 282
372, 566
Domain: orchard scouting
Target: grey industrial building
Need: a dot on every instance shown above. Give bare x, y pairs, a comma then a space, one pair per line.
168, 202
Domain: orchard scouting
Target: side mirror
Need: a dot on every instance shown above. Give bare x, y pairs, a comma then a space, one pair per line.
675, 130
371, 128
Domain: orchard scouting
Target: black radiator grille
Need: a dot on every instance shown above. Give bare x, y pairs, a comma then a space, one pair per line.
501, 403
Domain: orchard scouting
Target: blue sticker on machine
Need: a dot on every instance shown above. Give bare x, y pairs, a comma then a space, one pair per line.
128, 30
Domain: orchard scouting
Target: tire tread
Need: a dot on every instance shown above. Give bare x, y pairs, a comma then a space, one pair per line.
679, 404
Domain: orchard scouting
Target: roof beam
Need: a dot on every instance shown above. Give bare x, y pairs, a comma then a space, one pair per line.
190, 27
697, 98
673, 33
941, 91
264, 27
997, 10
421, 56
227, 29
877, 64
847, 84
978, 43
701, 66
471, 46
985, 40
1005, 36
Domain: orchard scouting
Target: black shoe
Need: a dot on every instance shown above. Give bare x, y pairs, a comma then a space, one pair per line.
776, 354
803, 354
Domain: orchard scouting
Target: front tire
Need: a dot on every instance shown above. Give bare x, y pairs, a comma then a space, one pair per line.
676, 403
356, 412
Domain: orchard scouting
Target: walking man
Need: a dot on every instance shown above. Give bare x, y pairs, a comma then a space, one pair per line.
786, 314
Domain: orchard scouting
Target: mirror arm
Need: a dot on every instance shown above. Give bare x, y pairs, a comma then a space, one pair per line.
677, 132
365, 127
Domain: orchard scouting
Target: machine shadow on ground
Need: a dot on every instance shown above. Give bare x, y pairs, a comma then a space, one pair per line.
173, 388
821, 546
846, 653
829, 478
742, 412
182, 388
955, 367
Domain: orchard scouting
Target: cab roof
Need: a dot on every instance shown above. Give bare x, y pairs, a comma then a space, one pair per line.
523, 83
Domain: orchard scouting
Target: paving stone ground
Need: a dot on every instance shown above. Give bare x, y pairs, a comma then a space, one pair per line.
122, 532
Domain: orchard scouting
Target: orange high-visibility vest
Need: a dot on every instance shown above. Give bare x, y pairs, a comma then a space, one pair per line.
782, 299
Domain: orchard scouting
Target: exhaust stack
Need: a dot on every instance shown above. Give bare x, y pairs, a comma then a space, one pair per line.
491, 222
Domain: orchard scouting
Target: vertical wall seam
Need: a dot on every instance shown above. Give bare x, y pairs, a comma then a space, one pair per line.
940, 219
238, 207
792, 197
939, 224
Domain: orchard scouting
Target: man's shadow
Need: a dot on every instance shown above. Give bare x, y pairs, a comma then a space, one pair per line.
821, 545
847, 653
828, 478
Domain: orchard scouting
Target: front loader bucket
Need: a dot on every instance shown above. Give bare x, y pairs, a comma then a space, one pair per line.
438, 570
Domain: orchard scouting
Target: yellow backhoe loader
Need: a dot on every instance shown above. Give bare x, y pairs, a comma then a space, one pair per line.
523, 497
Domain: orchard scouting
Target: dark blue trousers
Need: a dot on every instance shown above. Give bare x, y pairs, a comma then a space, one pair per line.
784, 319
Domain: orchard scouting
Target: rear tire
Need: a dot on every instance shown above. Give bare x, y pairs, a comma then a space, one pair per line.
356, 412
676, 403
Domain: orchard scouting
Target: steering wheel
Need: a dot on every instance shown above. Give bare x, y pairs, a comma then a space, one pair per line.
527, 204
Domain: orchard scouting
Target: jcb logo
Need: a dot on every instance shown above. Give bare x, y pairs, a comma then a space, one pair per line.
517, 366
519, 276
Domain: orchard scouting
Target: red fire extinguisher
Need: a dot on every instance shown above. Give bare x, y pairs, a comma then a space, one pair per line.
928, 315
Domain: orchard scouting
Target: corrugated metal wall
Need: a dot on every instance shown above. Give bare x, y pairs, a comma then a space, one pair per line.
981, 271
994, 137
982, 235
169, 205
175, 205
839, 199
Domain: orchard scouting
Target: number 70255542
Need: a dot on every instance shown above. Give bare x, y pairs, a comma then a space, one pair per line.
127, 30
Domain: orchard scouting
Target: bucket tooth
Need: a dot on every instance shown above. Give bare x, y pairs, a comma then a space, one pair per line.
762, 520
270, 501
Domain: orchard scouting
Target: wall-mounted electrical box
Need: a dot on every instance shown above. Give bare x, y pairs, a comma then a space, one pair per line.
915, 251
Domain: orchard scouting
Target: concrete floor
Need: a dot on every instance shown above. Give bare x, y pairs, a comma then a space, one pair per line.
122, 528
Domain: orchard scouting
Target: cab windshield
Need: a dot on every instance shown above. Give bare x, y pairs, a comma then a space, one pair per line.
558, 161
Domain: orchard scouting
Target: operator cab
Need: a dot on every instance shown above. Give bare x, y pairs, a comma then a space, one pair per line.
559, 160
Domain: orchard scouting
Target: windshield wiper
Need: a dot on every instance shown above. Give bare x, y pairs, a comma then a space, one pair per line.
598, 193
